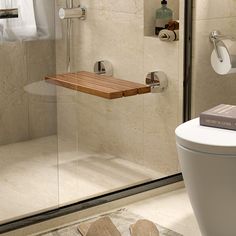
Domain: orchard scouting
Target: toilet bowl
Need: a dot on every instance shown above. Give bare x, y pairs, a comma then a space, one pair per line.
208, 162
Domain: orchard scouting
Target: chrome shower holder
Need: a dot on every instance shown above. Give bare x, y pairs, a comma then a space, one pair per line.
70, 13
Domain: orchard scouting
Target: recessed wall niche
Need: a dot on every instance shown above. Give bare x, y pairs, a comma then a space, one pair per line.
150, 7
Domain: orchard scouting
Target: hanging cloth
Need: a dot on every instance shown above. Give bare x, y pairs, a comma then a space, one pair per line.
45, 18
23, 27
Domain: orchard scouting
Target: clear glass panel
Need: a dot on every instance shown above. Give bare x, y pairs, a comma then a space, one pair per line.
60, 146
28, 124
106, 145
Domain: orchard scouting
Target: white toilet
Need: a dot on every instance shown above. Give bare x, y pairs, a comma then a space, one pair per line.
208, 161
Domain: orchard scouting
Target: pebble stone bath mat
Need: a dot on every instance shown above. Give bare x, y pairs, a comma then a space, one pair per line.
122, 220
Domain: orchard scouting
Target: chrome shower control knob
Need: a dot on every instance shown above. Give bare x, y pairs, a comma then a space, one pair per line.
157, 80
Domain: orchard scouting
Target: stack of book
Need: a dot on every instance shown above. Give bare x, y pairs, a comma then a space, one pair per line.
222, 116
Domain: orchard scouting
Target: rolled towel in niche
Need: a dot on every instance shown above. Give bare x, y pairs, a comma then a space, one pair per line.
227, 51
169, 35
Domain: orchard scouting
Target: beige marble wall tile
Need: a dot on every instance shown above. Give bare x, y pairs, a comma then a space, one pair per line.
232, 6
40, 51
22, 64
111, 127
161, 110
209, 88
67, 145
41, 61
42, 118
106, 126
92, 122
14, 119
67, 120
38, 71
124, 136
120, 41
213, 9
13, 100
129, 6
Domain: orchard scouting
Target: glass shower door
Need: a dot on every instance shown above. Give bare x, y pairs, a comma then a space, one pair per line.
60, 146
28, 124
109, 145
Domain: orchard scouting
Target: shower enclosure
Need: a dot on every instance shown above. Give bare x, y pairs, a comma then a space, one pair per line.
59, 146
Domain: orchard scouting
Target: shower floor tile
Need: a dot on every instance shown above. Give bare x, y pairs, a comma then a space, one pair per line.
31, 180
28, 177
94, 174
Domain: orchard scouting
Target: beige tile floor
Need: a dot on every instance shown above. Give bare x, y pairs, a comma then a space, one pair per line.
31, 180
171, 210
165, 206
28, 178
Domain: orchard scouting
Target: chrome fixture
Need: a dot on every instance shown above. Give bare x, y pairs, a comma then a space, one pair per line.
69, 13
157, 80
103, 68
216, 37
9, 13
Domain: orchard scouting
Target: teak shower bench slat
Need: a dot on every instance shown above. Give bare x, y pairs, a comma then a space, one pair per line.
98, 85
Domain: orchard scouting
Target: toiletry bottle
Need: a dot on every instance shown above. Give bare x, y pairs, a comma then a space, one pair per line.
163, 16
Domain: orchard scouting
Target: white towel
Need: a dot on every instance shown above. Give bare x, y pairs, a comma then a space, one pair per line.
23, 27
169, 35
45, 18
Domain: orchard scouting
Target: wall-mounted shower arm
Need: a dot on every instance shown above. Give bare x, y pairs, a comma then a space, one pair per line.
69, 13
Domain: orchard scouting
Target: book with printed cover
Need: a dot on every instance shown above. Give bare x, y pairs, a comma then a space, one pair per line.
222, 116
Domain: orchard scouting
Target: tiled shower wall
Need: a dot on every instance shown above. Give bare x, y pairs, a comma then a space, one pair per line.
209, 88
23, 115
139, 128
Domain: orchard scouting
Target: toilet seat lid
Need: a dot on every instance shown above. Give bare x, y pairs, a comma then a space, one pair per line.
193, 136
